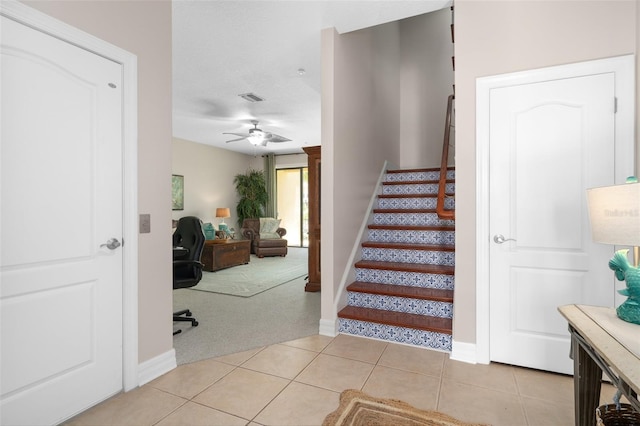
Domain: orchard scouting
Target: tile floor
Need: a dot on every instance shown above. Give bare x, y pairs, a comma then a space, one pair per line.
299, 383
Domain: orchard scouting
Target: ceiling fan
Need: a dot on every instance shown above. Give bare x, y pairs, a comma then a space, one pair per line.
257, 136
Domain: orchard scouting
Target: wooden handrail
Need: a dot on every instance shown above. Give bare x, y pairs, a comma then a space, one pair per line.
442, 212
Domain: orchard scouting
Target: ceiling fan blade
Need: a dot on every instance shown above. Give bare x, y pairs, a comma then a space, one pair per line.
244, 135
276, 138
235, 140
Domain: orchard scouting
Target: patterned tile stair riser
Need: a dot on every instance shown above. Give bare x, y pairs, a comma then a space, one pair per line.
428, 257
416, 238
426, 339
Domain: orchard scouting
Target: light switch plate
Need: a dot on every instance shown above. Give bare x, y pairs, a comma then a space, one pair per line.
145, 223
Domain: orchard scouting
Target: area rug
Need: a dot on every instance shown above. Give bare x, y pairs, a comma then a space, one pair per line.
257, 276
359, 409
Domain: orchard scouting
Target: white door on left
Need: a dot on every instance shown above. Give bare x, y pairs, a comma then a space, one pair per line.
61, 188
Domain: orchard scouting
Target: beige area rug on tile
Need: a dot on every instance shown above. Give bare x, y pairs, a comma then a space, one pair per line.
256, 276
359, 409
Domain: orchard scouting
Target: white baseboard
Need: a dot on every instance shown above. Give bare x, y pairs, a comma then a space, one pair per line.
328, 328
156, 367
465, 352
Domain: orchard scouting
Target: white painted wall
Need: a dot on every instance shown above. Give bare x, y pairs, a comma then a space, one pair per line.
426, 81
208, 179
495, 37
360, 128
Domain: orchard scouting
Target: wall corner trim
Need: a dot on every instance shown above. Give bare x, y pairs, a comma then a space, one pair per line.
328, 327
156, 367
465, 352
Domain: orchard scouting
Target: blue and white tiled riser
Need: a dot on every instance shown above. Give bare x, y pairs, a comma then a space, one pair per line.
427, 339
423, 257
413, 203
410, 219
416, 188
412, 236
415, 279
401, 304
425, 175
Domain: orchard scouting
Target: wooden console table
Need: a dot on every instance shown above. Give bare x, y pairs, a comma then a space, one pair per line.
601, 342
220, 254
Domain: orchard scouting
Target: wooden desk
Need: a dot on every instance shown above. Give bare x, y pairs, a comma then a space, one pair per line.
220, 254
601, 342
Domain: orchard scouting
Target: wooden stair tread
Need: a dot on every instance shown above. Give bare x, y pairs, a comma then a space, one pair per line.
427, 169
417, 195
407, 195
408, 246
413, 227
406, 267
398, 319
406, 210
435, 294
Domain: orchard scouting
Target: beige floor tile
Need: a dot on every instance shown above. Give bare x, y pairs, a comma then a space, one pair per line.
139, 407
314, 343
192, 414
491, 376
238, 358
541, 412
335, 373
419, 390
243, 393
299, 405
188, 380
280, 360
358, 348
543, 385
413, 359
473, 404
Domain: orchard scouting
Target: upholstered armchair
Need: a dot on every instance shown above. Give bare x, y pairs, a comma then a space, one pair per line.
265, 235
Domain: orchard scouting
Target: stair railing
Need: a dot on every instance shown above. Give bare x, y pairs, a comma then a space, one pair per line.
440, 210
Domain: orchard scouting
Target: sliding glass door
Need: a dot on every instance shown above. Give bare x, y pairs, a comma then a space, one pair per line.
293, 204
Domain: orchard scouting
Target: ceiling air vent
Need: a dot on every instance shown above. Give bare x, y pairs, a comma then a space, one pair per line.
251, 97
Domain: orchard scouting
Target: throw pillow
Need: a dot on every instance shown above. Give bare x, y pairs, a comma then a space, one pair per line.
269, 236
269, 225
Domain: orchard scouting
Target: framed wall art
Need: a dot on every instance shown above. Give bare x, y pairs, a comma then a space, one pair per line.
177, 192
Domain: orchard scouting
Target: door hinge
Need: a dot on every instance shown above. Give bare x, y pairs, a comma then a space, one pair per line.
615, 105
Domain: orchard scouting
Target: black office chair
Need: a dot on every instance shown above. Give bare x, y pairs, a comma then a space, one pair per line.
187, 268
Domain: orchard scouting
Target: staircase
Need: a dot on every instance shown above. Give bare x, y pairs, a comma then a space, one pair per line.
404, 283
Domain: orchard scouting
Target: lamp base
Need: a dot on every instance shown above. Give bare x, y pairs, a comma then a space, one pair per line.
629, 311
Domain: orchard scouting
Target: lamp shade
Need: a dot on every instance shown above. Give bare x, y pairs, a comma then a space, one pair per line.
614, 212
223, 212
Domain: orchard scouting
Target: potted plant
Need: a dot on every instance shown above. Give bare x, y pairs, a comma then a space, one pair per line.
252, 189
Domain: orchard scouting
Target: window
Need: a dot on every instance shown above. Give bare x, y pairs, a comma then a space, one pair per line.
292, 204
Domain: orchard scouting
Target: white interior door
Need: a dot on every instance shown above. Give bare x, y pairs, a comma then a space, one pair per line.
61, 289
549, 142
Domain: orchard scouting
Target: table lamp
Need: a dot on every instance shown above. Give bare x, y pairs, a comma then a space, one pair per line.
223, 212
614, 212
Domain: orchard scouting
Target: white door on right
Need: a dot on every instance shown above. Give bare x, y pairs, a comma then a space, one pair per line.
549, 142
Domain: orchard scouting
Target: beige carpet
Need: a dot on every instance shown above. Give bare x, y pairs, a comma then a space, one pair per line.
359, 409
257, 276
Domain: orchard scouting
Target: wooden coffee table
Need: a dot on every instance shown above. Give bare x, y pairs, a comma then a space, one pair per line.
220, 254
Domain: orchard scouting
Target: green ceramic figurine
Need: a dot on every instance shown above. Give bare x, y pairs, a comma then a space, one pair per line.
630, 309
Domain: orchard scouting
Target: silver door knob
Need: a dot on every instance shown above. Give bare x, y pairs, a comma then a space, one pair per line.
500, 239
112, 244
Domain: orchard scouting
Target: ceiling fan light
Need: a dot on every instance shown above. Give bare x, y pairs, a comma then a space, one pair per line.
256, 138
